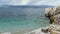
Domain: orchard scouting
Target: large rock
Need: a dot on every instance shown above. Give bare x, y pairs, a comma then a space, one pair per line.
52, 11
54, 16
49, 12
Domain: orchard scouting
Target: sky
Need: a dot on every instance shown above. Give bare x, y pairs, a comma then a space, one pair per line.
30, 2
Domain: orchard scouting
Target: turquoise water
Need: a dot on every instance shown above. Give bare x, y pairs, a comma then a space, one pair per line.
22, 24
21, 20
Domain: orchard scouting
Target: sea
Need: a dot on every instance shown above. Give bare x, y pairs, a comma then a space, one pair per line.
22, 20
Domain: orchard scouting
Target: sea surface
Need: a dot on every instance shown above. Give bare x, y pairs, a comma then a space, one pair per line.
22, 24
27, 20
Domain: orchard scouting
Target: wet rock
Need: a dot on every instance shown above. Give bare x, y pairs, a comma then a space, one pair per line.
44, 30
37, 31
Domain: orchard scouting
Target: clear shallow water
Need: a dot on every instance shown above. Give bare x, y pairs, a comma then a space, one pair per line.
22, 24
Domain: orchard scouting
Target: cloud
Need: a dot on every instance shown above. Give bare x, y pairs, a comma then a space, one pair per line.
19, 2
15, 2
30, 2
56, 3
45, 2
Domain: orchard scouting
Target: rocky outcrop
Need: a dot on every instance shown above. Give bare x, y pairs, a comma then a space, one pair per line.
54, 16
50, 12
55, 27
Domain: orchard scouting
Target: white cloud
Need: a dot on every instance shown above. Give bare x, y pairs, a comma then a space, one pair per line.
56, 3
24, 2
19, 2
31, 2
46, 2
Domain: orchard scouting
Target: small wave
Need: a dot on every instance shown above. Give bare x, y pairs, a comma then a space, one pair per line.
6, 33
37, 31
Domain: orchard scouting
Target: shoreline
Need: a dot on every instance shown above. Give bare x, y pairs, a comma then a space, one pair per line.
37, 31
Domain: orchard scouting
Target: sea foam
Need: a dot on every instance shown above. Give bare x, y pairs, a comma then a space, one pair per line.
6, 33
37, 31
